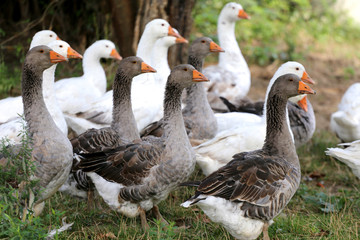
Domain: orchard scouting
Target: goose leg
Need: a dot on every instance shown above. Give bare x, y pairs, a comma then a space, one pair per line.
144, 224
90, 200
265, 231
158, 215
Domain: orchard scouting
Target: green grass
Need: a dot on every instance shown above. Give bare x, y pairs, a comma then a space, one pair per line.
315, 212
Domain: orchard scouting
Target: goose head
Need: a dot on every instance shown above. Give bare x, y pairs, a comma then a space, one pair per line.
134, 66
169, 41
105, 49
64, 49
43, 37
233, 12
42, 57
299, 70
203, 46
290, 85
160, 28
184, 75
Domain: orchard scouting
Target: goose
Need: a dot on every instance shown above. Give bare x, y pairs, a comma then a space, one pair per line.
301, 115
11, 107
350, 155
144, 88
11, 129
43, 37
73, 93
246, 194
199, 118
51, 149
231, 77
134, 178
239, 136
346, 121
123, 129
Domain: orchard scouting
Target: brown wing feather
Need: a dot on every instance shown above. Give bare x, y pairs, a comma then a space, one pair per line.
250, 177
96, 140
154, 129
128, 164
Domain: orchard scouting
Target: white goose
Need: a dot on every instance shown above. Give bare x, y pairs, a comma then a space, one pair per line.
146, 91
11, 129
231, 77
349, 155
247, 134
11, 107
346, 121
73, 93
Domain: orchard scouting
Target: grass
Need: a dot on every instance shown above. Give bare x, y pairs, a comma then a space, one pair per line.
326, 206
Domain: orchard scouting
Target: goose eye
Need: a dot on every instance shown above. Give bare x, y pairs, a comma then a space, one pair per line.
51, 35
297, 69
291, 80
107, 46
203, 41
42, 50
162, 24
61, 46
185, 69
134, 62
233, 7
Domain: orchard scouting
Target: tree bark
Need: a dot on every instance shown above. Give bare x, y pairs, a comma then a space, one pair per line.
129, 19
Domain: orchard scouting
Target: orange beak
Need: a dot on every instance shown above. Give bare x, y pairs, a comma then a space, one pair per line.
57, 38
242, 14
146, 68
56, 58
71, 53
171, 32
181, 40
305, 89
306, 78
199, 77
303, 104
215, 48
115, 54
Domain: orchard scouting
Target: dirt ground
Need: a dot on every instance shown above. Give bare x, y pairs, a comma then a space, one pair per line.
333, 75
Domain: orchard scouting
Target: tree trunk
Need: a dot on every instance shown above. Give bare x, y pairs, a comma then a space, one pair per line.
130, 17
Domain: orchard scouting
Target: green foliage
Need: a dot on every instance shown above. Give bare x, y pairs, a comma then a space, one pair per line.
332, 212
16, 188
9, 79
278, 29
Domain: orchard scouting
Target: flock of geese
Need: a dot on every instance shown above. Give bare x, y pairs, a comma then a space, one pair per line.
141, 140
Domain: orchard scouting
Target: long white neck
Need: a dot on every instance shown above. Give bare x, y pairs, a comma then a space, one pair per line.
159, 61
227, 39
50, 99
145, 46
93, 69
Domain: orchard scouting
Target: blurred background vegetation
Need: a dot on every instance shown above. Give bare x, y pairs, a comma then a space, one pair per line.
279, 30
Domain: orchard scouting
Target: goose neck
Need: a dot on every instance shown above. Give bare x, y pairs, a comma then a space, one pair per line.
195, 94
227, 40
196, 62
36, 114
174, 127
159, 61
279, 139
123, 122
48, 82
145, 46
91, 62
